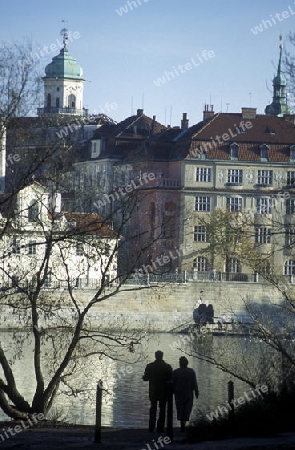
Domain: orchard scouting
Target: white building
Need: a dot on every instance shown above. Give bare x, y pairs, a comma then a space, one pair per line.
39, 241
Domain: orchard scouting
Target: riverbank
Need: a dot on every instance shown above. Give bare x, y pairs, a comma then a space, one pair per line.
64, 437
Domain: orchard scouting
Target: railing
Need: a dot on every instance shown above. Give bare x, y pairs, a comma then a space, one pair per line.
57, 110
215, 276
149, 279
169, 183
146, 279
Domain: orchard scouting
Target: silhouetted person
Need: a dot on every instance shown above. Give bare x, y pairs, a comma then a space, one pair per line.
184, 386
158, 373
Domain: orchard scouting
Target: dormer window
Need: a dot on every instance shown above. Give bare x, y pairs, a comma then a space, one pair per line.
264, 152
33, 211
96, 148
292, 153
234, 147
270, 130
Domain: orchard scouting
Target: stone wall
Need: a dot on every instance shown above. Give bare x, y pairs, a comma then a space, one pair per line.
167, 307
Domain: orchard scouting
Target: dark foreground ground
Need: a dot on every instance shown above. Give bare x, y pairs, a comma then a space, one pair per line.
78, 437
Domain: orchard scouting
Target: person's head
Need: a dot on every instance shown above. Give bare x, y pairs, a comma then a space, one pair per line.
183, 362
159, 355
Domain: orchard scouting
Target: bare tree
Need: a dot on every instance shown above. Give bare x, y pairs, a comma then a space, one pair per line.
267, 356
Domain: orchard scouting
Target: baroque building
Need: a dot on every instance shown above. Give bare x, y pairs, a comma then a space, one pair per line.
38, 239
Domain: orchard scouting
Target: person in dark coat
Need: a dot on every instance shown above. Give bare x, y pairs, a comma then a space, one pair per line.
158, 373
184, 386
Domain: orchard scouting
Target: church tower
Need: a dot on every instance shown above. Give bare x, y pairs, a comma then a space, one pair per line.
63, 84
279, 106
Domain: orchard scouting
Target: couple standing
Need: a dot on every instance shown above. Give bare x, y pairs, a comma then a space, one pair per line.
184, 379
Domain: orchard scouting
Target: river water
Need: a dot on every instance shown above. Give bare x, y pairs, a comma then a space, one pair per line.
125, 398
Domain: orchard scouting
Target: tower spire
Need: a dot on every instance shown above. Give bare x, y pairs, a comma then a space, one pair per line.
279, 106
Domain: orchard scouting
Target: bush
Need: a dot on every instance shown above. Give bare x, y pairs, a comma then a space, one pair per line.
263, 416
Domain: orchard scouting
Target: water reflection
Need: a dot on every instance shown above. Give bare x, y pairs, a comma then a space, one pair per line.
125, 399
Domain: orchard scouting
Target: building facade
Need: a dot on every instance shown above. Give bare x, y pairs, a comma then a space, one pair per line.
63, 249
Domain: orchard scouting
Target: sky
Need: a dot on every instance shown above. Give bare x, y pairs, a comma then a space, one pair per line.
168, 57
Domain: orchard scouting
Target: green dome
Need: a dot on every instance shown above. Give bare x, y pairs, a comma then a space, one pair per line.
64, 66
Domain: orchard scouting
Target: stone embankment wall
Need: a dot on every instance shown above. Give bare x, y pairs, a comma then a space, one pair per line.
167, 307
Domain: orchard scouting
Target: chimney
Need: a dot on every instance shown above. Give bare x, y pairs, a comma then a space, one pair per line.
153, 125
249, 113
184, 122
139, 112
208, 112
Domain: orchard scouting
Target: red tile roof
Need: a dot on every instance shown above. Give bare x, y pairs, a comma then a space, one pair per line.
276, 132
90, 224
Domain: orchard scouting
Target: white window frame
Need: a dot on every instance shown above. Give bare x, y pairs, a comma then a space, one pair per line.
200, 233
32, 248
264, 177
264, 205
235, 176
290, 206
201, 264
233, 265
202, 203
290, 236
290, 267
203, 174
290, 178
234, 204
262, 235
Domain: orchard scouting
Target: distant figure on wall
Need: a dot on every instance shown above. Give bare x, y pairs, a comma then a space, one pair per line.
184, 386
157, 373
203, 314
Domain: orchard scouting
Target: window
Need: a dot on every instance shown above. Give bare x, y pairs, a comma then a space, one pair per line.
107, 249
264, 152
15, 246
33, 211
202, 204
201, 264
262, 235
290, 236
263, 268
264, 177
290, 206
234, 147
264, 206
48, 101
32, 248
57, 102
235, 176
95, 148
233, 265
290, 267
234, 204
200, 234
292, 152
79, 249
72, 101
203, 174
47, 282
290, 178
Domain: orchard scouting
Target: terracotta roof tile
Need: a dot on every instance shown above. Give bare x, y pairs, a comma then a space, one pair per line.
90, 224
276, 132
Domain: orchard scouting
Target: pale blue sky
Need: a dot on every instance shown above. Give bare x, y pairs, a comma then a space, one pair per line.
122, 55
